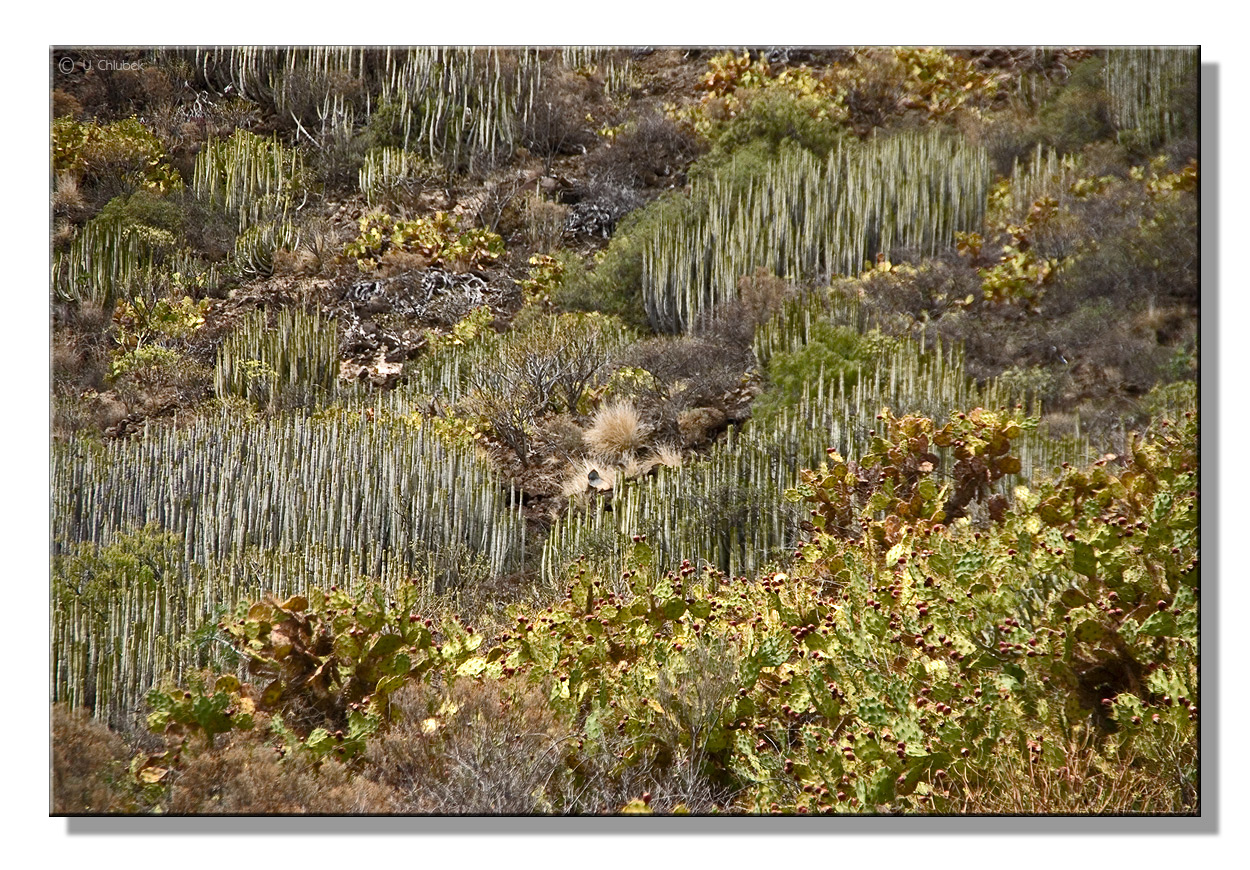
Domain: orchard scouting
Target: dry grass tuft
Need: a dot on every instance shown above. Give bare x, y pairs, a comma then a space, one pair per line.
669, 455
482, 748
543, 221
67, 197
578, 480
617, 431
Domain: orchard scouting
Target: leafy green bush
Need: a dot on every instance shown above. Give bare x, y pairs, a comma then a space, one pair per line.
774, 117
1080, 112
870, 89
323, 666
439, 240
614, 285
144, 208
103, 154
832, 354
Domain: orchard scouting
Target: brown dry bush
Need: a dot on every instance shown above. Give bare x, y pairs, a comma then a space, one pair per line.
938, 285
564, 437
1088, 782
760, 295
653, 154
486, 747
498, 748
247, 777
64, 104
155, 389
89, 765
557, 123
79, 350
68, 202
689, 372
543, 221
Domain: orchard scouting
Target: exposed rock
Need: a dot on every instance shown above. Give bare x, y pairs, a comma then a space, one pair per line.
699, 426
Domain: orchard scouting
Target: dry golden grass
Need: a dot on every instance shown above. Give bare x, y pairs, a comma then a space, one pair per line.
67, 196
89, 766
578, 480
669, 455
1089, 782
248, 777
544, 221
617, 431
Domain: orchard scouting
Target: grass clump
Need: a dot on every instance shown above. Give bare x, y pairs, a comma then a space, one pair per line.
617, 431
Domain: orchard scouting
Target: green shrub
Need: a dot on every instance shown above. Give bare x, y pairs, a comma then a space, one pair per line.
614, 285
103, 155
832, 355
1080, 113
774, 117
144, 208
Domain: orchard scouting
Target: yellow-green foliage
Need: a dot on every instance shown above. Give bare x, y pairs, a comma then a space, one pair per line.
873, 87
139, 324
901, 666
440, 240
1036, 224
545, 275
125, 149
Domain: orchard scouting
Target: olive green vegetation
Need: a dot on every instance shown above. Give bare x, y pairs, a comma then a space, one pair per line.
292, 363
824, 568
794, 215
904, 664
